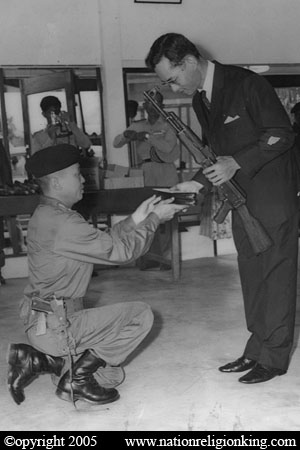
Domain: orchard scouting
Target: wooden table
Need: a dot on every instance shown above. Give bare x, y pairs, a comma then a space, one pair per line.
108, 201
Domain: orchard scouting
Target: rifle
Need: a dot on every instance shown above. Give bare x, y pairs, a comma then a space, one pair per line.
232, 195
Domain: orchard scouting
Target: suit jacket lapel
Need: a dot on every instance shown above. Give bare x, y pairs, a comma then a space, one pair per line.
216, 103
217, 93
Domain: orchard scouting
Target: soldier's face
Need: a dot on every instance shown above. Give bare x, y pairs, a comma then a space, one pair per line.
47, 114
72, 185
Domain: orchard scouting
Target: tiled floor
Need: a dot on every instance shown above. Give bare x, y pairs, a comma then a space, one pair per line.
172, 381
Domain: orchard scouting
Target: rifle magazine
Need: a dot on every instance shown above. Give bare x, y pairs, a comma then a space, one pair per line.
222, 212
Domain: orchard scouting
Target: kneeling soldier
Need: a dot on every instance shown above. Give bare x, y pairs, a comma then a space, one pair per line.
84, 347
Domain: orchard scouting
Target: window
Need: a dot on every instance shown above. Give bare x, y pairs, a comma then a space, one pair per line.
79, 90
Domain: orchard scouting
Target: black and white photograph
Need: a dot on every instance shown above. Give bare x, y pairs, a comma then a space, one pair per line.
149, 223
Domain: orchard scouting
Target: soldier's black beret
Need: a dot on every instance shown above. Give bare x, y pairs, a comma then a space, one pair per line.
52, 159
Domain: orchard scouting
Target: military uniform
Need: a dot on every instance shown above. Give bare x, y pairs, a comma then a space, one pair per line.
62, 248
155, 155
76, 137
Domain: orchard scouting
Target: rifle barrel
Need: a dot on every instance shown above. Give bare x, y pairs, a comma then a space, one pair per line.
170, 117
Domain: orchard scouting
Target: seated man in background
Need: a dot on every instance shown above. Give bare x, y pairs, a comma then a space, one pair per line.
156, 151
62, 248
59, 129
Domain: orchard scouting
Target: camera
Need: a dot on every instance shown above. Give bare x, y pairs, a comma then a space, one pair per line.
57, 120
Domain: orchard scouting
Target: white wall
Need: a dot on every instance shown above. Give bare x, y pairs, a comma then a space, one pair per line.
232, 31
49, 32
113, 93
67, 31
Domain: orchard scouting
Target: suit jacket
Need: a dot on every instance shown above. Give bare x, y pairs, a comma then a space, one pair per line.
248, 122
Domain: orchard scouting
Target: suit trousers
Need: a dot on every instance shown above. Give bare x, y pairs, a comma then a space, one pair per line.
269, 286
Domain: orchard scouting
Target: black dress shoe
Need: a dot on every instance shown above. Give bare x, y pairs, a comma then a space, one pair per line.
260, 373
240, 365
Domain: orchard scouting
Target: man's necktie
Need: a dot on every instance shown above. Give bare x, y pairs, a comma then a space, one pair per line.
205, 101
205, 104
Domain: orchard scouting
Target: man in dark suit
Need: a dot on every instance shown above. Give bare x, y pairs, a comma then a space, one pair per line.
248, 129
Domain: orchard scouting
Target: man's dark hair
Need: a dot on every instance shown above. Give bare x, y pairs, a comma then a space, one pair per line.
49, 101
172, 46
132, 107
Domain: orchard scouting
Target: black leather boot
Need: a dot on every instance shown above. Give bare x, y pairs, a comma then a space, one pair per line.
25, 363
83, 385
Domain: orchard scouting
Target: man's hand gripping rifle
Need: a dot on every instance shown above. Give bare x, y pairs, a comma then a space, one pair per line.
231, 193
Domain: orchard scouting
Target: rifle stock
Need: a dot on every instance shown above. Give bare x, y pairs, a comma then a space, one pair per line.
233, 196
258, 237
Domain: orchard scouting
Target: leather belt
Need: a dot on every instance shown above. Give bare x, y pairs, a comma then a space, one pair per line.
71, 305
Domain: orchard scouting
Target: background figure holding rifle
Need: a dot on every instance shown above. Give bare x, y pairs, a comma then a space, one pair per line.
251, 137
157, 150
